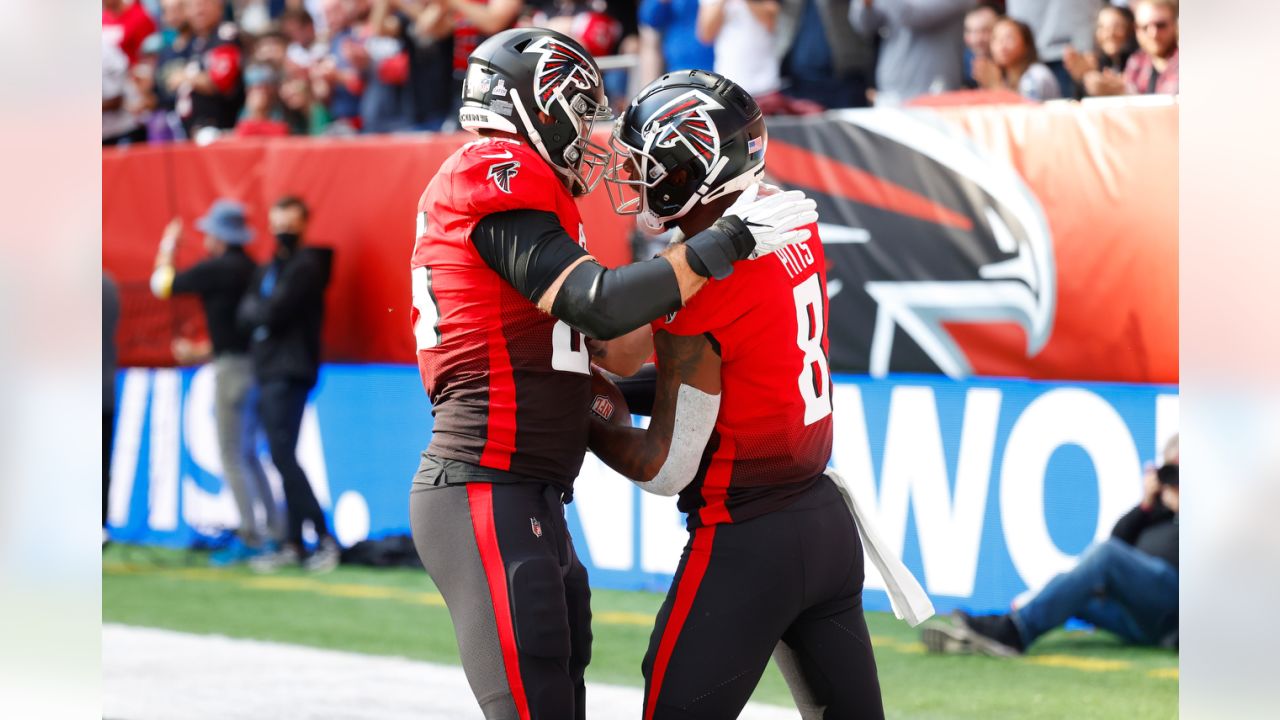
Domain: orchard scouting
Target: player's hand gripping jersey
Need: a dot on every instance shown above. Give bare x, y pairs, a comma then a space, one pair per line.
507, 382
772, 437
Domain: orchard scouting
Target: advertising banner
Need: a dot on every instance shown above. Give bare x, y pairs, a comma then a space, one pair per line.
1010, 241
987, 487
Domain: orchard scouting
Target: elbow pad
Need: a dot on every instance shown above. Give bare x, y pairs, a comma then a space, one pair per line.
712, 252
605, 304
696, 413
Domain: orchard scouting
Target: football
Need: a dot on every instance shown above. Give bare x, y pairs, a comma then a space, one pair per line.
607, 402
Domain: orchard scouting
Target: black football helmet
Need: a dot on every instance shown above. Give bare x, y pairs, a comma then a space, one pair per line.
543, 86
689, 137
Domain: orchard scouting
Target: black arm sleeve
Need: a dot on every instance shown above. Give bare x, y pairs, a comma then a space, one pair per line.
639, 390
527, 248
605, 304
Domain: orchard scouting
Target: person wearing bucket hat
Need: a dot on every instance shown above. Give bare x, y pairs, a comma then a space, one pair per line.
220, 280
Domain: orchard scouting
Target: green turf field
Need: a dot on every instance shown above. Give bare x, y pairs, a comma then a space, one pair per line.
398, 612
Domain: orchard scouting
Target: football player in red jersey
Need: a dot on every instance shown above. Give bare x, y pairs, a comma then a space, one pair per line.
741, 429
504, 295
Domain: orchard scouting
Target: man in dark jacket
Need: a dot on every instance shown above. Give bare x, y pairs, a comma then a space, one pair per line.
283, 311
1127, 585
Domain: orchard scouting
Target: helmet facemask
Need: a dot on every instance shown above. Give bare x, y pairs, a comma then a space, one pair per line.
568, 95
637, 181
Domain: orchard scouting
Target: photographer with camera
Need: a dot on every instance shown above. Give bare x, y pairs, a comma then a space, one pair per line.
1127, 585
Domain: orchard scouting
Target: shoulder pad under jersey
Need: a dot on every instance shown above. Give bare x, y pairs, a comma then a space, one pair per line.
496, 175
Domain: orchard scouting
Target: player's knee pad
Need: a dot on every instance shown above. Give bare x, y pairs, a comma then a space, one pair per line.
540, 614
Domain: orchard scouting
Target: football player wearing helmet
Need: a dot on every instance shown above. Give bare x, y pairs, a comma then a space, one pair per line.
504, 296
741, 430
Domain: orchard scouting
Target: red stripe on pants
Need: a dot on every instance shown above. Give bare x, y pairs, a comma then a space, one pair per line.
715, 486
686, 591
480, 501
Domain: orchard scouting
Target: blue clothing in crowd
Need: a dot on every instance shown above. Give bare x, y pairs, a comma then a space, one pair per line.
677, 20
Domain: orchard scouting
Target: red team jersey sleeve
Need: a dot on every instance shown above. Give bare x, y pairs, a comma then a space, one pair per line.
507, 382
497, 176
773, 434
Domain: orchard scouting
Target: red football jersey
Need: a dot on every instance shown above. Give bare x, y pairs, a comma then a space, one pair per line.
773, 435
509, 384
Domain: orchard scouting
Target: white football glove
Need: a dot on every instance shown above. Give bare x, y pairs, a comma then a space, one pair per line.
775, 220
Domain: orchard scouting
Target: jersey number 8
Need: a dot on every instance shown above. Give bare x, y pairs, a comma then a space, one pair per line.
815, 375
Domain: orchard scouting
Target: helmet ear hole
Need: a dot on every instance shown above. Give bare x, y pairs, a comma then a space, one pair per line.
545, 119
679, 178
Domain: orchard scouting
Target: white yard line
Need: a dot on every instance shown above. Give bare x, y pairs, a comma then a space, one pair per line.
160, 674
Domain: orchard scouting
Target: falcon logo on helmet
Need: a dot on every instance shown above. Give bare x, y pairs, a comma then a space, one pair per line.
690, 137
544, 87
685, 120
558, 67
501, 174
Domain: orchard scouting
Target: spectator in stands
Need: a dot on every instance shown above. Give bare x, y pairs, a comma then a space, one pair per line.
1014, 65
303, 114
1057, 25
823, 59
1127, 585
203, 75
173, 22
119, 124
744, 34
283, 310
468, 23
110, 320
263, 116
978, 23
299, 30
675, 23
220, 280
125, 24
1101, 72
335, 80
922, 46
1154, 69
380, 54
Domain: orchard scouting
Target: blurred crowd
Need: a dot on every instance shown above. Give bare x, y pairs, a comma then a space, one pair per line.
203, 69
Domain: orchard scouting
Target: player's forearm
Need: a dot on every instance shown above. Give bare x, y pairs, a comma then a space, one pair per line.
690, 282
623, 355
636, 454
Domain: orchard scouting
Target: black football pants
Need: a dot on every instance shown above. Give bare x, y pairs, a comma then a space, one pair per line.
793, 575
502, 557
281, 404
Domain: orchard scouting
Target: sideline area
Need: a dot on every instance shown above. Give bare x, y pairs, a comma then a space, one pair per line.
361, 618
160, 674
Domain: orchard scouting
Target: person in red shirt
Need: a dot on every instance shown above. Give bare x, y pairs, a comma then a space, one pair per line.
741, 429
505, 296
126, 23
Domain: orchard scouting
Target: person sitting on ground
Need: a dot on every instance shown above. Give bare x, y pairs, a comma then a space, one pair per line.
1127, 585
1014, 64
